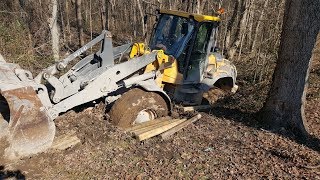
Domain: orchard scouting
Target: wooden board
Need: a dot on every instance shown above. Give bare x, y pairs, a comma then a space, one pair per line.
196, 108
177, 128
153, 126
65, 142
148, 123
158, 130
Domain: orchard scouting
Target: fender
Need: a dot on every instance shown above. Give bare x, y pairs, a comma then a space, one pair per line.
224, 73
151, 86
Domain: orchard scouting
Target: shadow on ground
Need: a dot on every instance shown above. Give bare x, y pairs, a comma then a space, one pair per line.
251, 120
6, 174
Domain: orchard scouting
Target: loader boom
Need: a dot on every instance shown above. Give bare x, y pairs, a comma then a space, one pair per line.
93, 77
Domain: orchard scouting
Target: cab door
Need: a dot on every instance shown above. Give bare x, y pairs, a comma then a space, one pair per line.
198, 57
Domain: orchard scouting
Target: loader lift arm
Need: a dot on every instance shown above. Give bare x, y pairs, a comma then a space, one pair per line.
60, 65
95, 76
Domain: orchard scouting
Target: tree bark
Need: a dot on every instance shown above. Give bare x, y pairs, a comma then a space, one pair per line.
90, 21
134, 19
54, 30
200, 6
188, 5
107, 14
258, 27
142, 17
104, 14
284, 107
230, 26
240, 30
170, 6
79, 23
67, 11
112, 16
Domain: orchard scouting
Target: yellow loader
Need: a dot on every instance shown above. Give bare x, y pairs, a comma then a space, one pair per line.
140, 81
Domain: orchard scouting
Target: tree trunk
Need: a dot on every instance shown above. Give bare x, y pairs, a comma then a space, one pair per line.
62, 23
200, 6
112, 16
258, 27
230, 26
142, 17
240, 31
284, 107
250, 23
79, 23
90, 21
188, 6
279, 23
193, 6
134, 19
106, 4
54, 30
67, 10
104, 14
170, 6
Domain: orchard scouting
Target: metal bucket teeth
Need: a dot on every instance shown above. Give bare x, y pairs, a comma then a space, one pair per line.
25, 125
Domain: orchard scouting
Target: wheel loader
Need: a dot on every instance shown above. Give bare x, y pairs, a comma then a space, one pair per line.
140, 82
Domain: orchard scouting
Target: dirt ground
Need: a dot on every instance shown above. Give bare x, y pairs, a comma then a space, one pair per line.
227, 143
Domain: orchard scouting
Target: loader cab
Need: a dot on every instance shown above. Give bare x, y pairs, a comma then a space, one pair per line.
189, 38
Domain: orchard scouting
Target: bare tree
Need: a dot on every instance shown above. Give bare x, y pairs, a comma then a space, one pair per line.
230, 26
284, 106
200, 6
258, 27
142, 17
134, 20
54, 28
79, 22
104, 14
240, 30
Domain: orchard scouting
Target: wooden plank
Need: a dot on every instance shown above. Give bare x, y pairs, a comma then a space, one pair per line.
159, 130
196, 108
153, 126
65, 142
177, 128
148, 123
141, 125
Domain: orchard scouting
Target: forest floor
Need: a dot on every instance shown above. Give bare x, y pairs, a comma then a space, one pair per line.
226, 143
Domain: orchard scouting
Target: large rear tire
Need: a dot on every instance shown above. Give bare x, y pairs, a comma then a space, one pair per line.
134, 105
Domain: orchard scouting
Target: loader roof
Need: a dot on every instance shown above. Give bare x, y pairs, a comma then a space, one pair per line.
197, 17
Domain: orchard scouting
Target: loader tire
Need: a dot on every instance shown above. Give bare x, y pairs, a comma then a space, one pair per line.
125, 110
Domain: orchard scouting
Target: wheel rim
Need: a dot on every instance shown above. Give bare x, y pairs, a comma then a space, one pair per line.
144, 116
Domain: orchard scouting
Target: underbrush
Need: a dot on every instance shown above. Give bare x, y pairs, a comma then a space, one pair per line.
17, 46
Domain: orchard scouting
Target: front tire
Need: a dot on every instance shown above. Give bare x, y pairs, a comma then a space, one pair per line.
135, 105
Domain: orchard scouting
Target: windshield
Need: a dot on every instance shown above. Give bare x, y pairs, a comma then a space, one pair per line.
172, 34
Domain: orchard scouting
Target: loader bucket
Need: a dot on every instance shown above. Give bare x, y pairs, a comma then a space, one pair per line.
24, 122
